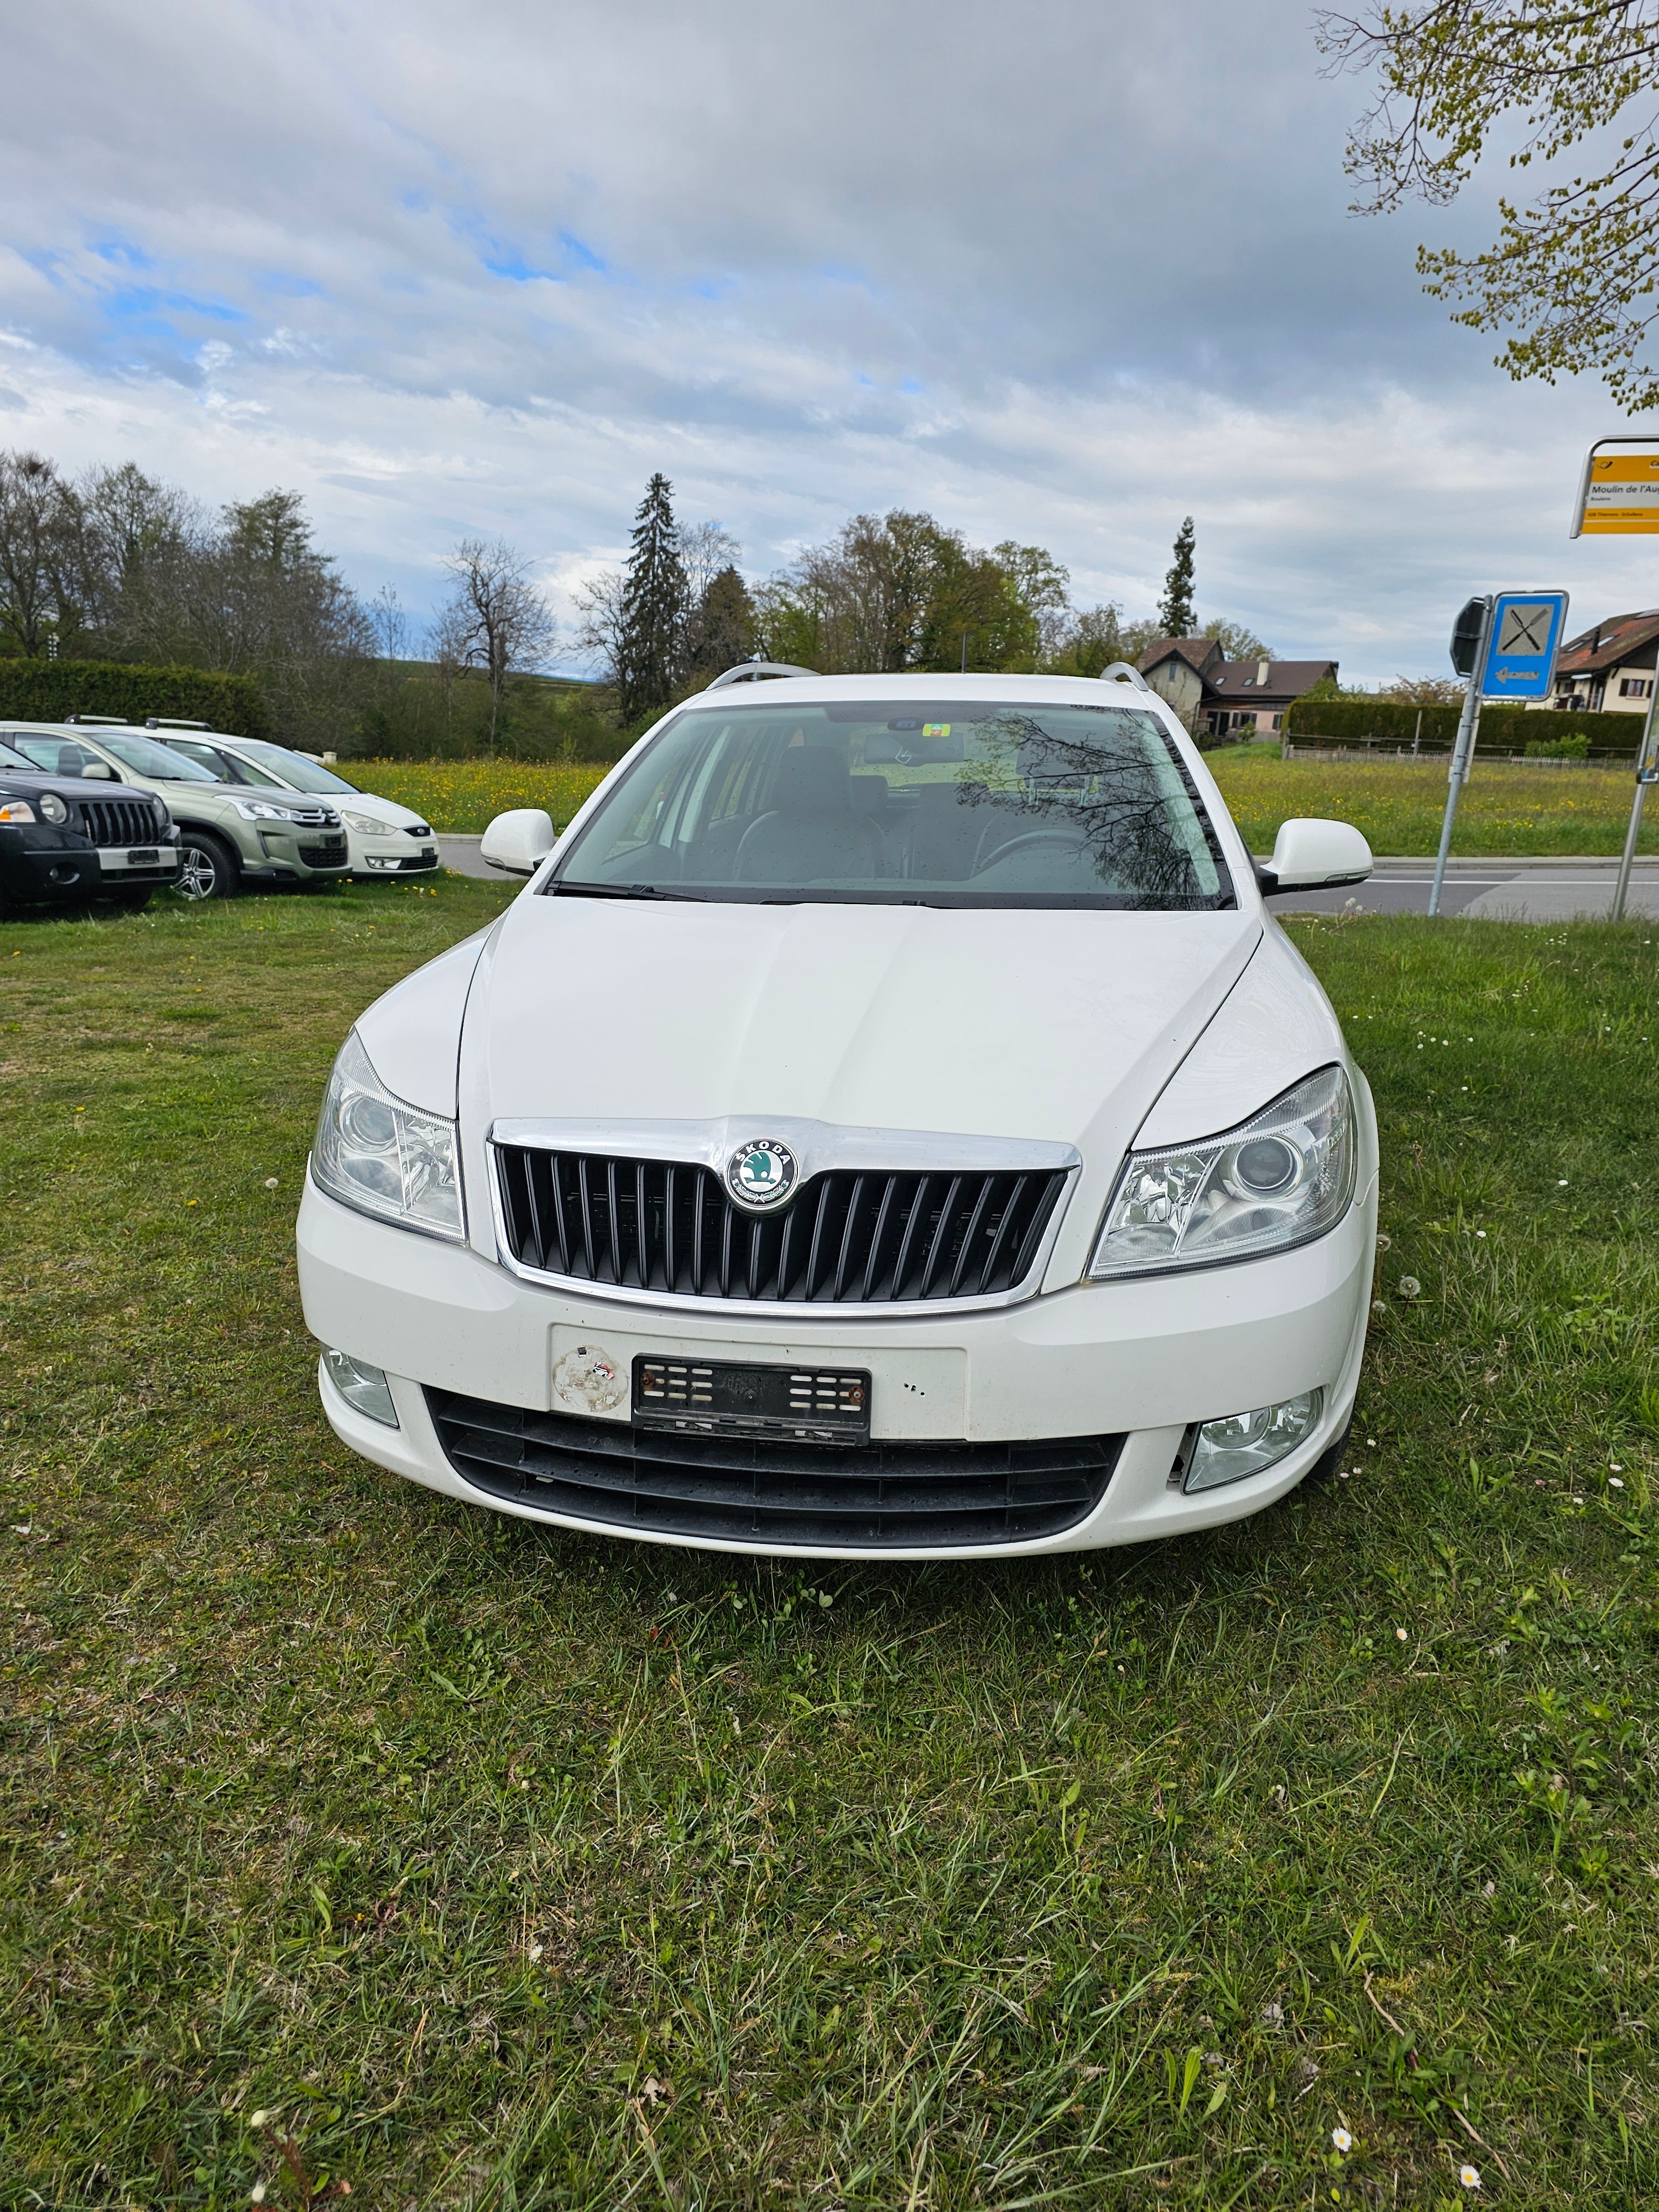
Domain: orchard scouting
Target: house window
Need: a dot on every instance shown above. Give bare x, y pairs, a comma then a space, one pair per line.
1278, 721
1636, 687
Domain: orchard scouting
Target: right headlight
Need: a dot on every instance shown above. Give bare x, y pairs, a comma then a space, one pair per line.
1277, 1180
383, 1156
364, 824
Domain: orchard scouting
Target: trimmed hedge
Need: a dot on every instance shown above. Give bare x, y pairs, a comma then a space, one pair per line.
51, 690
1503, 729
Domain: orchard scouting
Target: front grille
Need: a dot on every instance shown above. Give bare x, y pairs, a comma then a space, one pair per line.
321, 852
121, 821
867, 1497
846, 1237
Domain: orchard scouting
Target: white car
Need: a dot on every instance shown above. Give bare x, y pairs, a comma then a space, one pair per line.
888, 1124
382, 837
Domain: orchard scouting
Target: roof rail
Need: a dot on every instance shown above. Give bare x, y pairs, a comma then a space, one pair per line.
747, 670
98, 721
1120, 672
173, 722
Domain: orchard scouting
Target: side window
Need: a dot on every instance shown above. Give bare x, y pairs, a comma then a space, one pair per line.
57, 756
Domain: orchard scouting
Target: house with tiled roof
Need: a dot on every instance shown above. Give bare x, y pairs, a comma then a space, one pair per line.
1223, 697
1609, 670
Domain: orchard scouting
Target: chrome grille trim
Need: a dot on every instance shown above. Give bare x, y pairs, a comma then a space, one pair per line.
939, 1217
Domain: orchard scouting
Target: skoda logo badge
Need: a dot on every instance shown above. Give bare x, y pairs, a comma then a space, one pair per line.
761, 1173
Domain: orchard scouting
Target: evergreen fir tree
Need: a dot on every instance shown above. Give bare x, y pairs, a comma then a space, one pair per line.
653, 608
720, 629
1175, 614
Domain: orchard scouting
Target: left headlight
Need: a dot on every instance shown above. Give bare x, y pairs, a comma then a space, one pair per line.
1282, 1177
16, 810
383, 1156
261, 809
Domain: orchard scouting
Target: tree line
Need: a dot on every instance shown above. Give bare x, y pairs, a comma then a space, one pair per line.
114, 565
886, 593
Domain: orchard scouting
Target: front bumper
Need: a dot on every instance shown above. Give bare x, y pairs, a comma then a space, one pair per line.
40, 864
275, 854
1143, 1359
394, 854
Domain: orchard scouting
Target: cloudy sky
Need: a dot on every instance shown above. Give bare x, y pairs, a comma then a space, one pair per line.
1063, 273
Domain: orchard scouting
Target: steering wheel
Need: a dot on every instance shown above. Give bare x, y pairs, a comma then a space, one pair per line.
1066, 838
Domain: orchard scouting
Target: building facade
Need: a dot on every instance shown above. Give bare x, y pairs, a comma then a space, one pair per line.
1221, 698
1609, 670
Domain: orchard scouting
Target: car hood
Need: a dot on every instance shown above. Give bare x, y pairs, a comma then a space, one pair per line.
1061, 1026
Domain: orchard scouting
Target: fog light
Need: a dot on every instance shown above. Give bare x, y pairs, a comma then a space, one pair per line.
364, 1388
1246, 1443
381, 860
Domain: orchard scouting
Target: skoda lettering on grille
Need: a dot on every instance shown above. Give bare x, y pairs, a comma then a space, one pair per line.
761, 1173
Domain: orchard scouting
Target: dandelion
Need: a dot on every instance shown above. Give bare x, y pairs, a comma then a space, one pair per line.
1469, 2176
1409, 1287
270, 1183
1342, 2138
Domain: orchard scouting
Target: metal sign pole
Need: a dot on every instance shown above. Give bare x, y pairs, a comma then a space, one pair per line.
1463, 750
1645, 775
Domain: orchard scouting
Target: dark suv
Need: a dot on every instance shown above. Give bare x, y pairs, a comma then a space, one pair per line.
62, 844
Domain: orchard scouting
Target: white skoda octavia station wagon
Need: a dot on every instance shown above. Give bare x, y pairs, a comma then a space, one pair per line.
888, 1124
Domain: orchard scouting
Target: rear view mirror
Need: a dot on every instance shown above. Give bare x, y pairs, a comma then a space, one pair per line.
1311, 855
518, 843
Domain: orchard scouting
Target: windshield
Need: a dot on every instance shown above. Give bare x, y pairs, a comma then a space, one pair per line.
147, 758
293, 768
9, 759
951, 803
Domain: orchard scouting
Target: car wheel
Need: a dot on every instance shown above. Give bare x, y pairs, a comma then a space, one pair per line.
207, 866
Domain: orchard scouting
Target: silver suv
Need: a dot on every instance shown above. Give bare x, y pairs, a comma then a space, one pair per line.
226, 838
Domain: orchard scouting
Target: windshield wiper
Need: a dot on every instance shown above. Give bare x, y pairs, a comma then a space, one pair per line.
563, 888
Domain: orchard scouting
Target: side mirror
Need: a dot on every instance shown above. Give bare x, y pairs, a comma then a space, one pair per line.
99, 772
1310, 855
518, 843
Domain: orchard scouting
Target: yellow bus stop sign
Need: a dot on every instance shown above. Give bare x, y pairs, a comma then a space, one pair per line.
1619, 496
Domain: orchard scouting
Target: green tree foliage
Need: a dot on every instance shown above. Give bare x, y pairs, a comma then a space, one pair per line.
720, 630
1574, 271
42, 590
1175, 610
1238, 641
901, 590
38, 690
650, 639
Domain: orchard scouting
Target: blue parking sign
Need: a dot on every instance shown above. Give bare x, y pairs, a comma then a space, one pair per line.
1522, 645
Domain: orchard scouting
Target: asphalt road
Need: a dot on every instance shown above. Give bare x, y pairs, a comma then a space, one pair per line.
1496, 890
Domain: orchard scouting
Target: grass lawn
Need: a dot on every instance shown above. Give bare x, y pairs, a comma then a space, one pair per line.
1505, 811
347, 1835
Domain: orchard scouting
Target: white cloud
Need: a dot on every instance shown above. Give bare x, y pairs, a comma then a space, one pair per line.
449, 277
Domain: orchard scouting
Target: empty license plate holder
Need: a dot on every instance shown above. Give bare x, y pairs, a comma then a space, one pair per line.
807, 1404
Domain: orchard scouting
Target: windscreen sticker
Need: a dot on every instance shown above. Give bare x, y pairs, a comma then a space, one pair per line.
936, 729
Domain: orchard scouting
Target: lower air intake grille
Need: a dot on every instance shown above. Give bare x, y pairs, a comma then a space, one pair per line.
868, 1497
322, 851
846, 1238
121, 821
